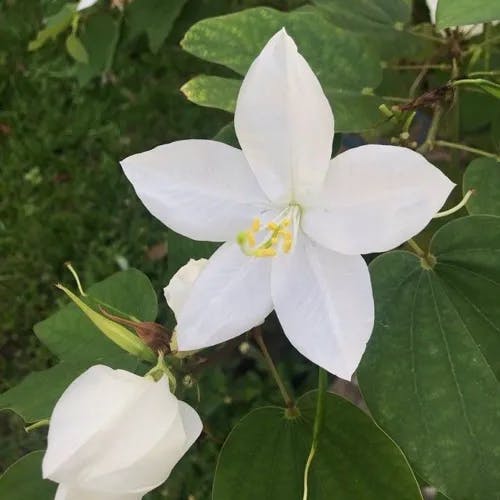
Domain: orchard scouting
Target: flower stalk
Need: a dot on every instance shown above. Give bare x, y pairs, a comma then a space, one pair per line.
289, 403
317, 426
160, 369
41, 423
469, 149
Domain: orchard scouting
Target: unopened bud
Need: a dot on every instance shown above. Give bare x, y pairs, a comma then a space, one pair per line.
154, 335
114, 331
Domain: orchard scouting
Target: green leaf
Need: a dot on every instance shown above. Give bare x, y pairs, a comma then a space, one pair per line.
76, 49
430, 372
483, 175
99, 36
368, 15
73, 337
486, 86
23, 480
213, 91
265, 455
227, 135
34, 398
54, 25
495, 130
460, 12
155, 18
477, 110
236, 39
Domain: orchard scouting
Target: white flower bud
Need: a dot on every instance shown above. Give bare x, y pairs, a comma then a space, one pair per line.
115, 436
179, 287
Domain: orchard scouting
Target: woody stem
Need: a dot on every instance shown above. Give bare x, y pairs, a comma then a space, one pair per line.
289, 403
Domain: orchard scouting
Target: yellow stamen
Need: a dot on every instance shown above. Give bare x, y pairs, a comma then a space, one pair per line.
250, 238
265, 252
278, 238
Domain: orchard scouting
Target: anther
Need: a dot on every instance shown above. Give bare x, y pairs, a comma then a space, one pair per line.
256, 225
265, 252
250, 238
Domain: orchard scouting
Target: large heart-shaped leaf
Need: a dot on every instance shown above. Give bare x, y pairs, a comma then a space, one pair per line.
265, 455
368, 15
345, 65
381, 23
71, 336
460, 12
483, 175
213, 91
23, 480
430, 373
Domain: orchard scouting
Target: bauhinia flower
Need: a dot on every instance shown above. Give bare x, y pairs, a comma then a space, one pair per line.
115, 436
293, 221
469, 30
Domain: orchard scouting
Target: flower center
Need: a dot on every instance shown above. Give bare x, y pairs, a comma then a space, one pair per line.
277, 235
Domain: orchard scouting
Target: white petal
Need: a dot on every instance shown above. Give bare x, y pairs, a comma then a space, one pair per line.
374, 199
86, 405
284, 122
325, 305
202, 189
179, 287
231, 296
85, 4
143, 446
192, 424
432, 6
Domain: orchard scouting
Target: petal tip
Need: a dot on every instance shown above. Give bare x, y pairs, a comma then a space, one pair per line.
283, 39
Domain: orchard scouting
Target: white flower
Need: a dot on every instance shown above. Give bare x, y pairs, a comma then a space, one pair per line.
115, 436
469, 30
85, 4
179, 287
310, 217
